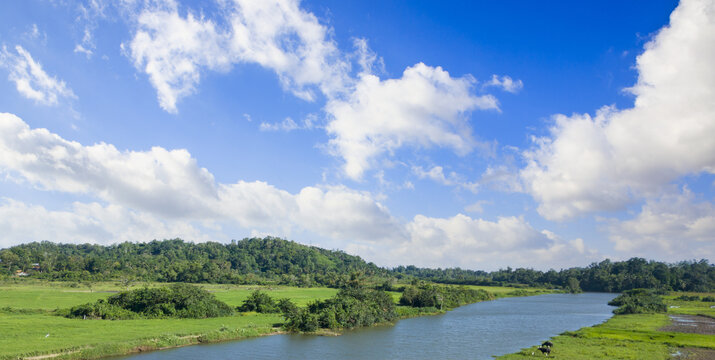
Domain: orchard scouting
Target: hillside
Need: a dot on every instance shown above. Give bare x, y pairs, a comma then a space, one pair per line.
252, 260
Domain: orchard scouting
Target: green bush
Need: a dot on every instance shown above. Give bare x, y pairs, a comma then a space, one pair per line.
638, 301
709, 298
177, 300
259, 302
688, 298
350, 308
429, 295
101, 310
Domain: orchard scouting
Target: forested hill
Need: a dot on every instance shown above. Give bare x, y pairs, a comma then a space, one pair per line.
239, 262
277, 261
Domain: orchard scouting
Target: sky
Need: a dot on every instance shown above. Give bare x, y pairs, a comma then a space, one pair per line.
472, 134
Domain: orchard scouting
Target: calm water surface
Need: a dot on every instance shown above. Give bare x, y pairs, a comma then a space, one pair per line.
476, 331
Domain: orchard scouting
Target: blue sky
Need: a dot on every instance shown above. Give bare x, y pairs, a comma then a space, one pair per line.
475, 134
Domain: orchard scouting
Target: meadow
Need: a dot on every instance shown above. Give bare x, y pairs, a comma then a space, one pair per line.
635, 336
29, 327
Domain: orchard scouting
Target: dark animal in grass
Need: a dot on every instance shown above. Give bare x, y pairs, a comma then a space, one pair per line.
544, 350
548, 344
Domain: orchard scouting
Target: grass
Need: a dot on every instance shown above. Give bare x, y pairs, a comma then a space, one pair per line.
629, 336
27, 316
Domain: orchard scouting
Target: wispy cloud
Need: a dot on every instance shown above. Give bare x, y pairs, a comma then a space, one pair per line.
506, 83
31, 81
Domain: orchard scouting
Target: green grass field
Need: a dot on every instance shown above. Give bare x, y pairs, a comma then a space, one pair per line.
629, 336
26, 317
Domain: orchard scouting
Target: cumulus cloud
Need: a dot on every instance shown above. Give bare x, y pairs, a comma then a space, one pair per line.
675, 225
31, 81
169, 184
604, 162
161, 181
86, 223
164, 193
506, 83
482, 244
425, 107
173, 49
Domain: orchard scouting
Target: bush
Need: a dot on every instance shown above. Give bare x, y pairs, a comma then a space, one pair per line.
177, 300
441, 296
259, 302
350, 308
101, 310
638, 301
688, 298
709, 298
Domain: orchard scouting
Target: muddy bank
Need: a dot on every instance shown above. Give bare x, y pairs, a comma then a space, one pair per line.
691, 324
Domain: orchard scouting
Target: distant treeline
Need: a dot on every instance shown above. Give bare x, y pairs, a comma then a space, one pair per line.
276, 261
606, 276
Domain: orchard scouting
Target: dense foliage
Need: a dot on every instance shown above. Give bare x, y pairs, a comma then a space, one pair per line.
177, 300
261, 302
428, 295
277, 261
249, 261
605, 276
638, 301
351, 307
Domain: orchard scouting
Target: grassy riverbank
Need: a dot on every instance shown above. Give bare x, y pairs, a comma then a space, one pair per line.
27, 316
637, 336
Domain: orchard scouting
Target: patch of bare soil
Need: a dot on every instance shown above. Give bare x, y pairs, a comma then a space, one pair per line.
691, 324
694, 354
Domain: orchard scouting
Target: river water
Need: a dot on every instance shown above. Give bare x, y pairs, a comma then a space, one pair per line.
476, 331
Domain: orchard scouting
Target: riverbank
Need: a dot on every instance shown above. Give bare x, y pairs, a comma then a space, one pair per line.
29, 328
637, 336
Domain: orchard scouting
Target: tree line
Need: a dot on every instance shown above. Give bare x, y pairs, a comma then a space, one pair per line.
272, 260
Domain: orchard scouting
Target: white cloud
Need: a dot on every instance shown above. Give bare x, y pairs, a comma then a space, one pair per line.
88, 15
169, 184
425, 107
436, 174
31, 81
161, 181
288, 124
173, 49
482, 244
589, 164
86, 223
672, 226
164, 193
477, 207
506, 83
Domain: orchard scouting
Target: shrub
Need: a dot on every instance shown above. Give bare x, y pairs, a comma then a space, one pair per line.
688, 298
177, 300
709, 298
350, 308
441, 296
638, 301
101, 310
260, 302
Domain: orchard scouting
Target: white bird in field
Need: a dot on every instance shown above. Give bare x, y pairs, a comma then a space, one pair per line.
48, 334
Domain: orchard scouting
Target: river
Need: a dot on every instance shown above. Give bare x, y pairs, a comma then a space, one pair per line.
476, 331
